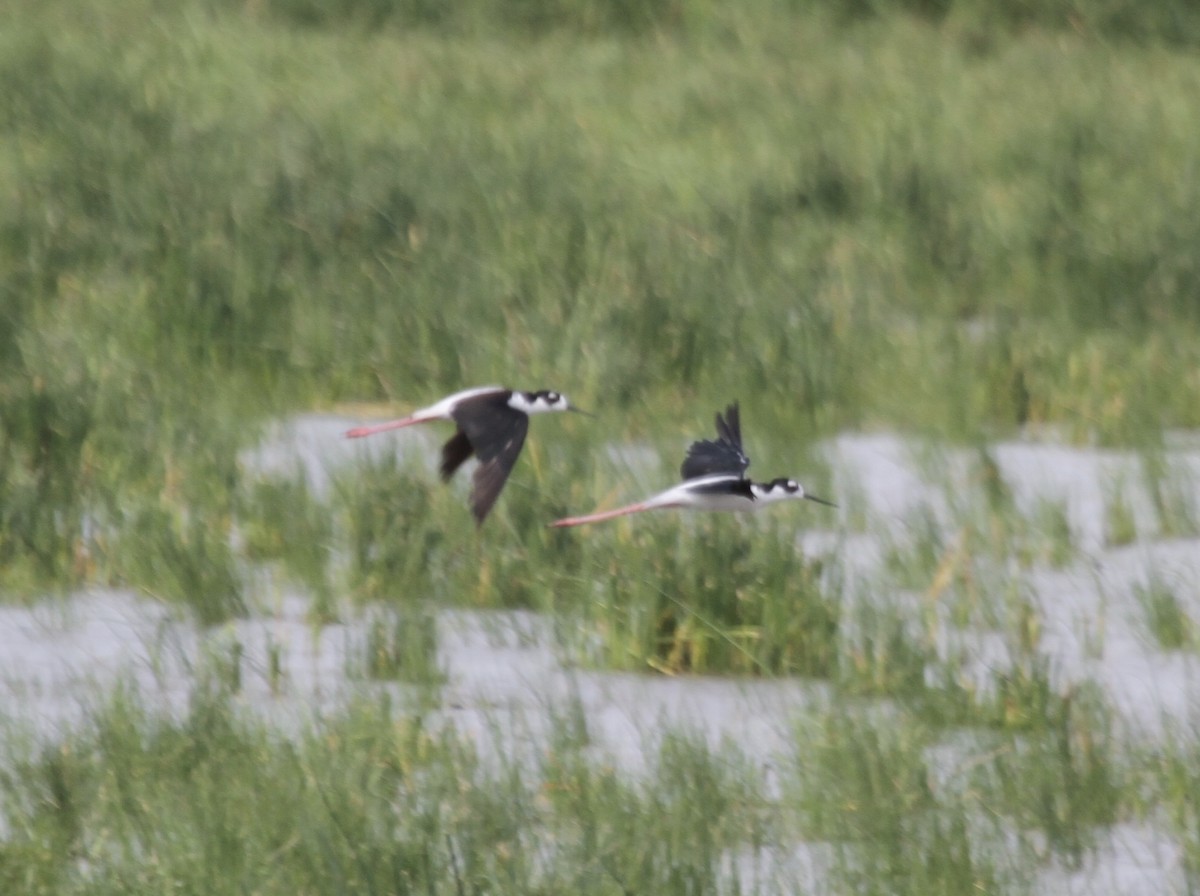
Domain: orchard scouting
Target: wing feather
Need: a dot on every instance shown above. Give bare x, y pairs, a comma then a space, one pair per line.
496, 432
722, 455
455, 453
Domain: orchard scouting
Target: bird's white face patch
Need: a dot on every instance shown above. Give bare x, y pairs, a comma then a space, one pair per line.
778, 489
538, 402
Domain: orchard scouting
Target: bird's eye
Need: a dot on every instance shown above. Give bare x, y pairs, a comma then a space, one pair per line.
552, 397
793, 485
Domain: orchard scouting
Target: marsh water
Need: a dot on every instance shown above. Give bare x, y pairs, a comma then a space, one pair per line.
506, 675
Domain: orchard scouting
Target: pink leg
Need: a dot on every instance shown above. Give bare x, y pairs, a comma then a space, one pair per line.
599, 517
359, 431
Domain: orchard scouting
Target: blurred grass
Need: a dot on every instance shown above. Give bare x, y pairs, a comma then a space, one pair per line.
1165, 614
702, 596
938, 217
864, 782
371, 799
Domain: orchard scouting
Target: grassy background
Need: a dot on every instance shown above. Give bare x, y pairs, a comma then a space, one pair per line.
924, 216
947, 218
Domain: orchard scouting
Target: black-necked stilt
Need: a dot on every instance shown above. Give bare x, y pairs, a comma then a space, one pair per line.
492, 422
714, 479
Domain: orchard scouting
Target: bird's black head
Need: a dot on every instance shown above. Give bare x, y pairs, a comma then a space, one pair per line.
790, 486
542, 401
539, 402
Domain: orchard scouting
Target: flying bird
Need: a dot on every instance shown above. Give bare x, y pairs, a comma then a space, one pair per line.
714, 474
491, 424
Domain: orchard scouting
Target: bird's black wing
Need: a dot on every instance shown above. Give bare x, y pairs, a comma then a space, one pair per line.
455, 453
730, 485
724, 455
497, 433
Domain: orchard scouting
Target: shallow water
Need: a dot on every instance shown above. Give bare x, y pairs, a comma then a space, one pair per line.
1092, 622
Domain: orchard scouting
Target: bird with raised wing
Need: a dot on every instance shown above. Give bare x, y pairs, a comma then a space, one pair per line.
714, 474
492, 422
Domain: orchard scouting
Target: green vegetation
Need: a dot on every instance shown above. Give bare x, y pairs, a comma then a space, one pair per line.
1175, 773
401, 646
1165, 617
363, 801
921, 215
711, 597
865, 783
947, 218
1120, 524
1173, 493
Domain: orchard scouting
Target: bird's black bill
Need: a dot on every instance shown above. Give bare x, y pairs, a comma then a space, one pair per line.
576, 410
820, 500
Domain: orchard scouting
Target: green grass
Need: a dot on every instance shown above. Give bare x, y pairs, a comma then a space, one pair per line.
183, 560
1120, 523
1166, 619
1172, 492
842, 221
997, 799
370, 800
1065, 779
1172, 774
373, 798
950, 219
863, 782
401, 647
281, 522
712, 594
